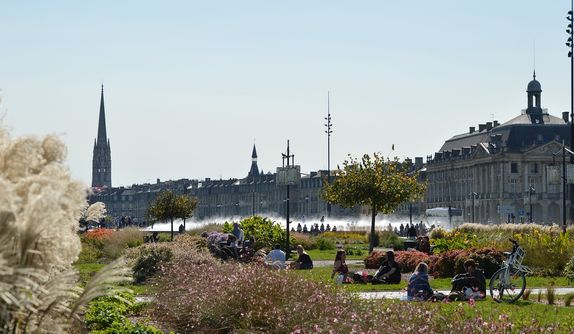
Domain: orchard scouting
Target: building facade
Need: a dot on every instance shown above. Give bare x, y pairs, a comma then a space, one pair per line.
502, 172
256, 194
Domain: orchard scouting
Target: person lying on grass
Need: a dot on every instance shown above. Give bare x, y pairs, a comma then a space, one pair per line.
389, 272
419, 287
471, 284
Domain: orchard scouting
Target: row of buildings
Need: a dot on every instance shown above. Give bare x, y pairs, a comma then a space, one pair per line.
492, 173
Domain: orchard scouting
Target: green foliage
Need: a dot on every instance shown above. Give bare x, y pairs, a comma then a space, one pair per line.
104, 311
350, 250
89, 253
150, 262
307, 241
569, 270
108, 315
325, 244
379, 183
169, 206
266, 232
390, 239
346, 237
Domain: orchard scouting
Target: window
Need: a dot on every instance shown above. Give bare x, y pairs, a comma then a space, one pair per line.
513, 185
514, 167
534, 168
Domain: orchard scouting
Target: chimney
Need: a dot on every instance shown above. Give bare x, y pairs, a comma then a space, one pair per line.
471, 129
565, 116
481, 127
488, 125
418, 162
495, 124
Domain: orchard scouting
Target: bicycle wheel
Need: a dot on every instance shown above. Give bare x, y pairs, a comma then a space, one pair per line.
507, 289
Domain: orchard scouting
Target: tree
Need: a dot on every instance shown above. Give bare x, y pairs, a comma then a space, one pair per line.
186, 207
382, 184
169, 206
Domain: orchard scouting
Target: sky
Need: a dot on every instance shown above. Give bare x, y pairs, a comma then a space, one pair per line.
190, 86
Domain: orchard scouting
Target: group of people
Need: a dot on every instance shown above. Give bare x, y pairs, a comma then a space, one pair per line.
315, 228
276, 259
468, 285
412, 230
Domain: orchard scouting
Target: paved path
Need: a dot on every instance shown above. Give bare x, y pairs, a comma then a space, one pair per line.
403, 294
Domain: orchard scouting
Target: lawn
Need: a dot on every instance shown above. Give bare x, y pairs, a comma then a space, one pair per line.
323, 274
320, 255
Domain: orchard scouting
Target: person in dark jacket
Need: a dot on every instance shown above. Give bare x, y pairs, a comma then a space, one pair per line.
471, 283
389, 272
304, 260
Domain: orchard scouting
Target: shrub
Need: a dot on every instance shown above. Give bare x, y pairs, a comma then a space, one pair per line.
390, 239
107, 315
118, 241
89, 253
267, 233
346, 237
305, 240
438, 233
374, 260
568, 299
451, 262
569, 270
150, 261
408, 260
230, 298
354, 250
325, 244
99, 234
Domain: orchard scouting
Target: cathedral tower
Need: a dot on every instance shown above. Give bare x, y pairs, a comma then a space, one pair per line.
102, 160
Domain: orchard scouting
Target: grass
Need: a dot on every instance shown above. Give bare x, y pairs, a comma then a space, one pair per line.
87, 270
323, 274
321, 255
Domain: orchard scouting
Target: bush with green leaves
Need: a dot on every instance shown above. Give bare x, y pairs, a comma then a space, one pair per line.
569, 270
325, 244
266, 232
389, 239
150, 261
107, 315
354, 251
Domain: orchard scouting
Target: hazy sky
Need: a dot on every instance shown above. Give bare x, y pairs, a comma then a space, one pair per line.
191, 85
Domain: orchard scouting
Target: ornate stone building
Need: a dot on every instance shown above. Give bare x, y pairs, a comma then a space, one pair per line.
504, 165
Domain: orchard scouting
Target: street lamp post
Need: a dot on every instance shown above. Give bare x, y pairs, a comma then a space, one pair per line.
328, 125
473, 195
570, 44
531, 191
287, 157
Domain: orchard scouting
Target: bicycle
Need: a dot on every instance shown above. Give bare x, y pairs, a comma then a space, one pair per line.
508, 283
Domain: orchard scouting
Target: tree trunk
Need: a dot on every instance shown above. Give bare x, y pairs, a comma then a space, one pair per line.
372, 238
172, 229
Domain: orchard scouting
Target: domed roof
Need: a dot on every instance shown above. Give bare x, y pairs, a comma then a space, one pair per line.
534, 85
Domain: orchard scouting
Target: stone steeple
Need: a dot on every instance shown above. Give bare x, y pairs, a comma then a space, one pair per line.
254, 171
102, 161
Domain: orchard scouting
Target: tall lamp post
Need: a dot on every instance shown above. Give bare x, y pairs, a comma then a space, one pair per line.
531, 191
328, 125
287, 157
473, 196
570, 45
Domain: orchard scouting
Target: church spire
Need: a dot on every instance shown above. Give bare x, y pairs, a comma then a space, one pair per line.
254, 171
102, 160
102, 135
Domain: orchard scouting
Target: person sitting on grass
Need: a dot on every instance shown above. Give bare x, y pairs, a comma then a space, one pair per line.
471, 284
340, 267
419, 287
389, 272
304, 261
276, 258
